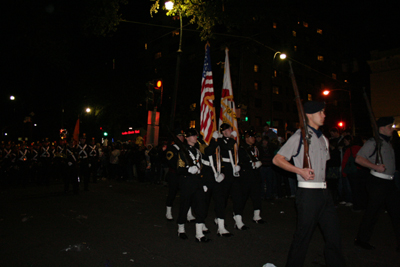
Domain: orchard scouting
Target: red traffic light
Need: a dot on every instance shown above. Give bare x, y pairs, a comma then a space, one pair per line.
340, 124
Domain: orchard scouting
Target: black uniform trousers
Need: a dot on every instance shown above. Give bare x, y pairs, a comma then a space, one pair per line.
23, 173
316, 207
208, 179
94, 166
173, 186
192, 195
381, 192
71, 178
249, 184
222, 191
84, 173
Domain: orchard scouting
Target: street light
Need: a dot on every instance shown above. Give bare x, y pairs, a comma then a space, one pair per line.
88, 110
326, 92
282, 56
12, 97
169, 6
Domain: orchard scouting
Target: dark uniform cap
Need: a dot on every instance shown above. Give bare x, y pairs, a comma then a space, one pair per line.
178, 131
383, 121
312, 107
249, 133
190, 132
224, 126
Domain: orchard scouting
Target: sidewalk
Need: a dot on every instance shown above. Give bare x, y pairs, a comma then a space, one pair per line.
123, 224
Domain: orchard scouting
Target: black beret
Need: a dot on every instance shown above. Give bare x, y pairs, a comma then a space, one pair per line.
190, 132
383, 121
312, 107
224, 126
178, 131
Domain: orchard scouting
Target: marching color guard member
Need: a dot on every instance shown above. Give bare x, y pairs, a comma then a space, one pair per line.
230, 169
84, 171
249, 181
313, 200
172, 176
191, 186
380, 184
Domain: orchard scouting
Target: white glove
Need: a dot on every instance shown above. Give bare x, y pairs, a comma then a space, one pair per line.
234, 134
216, 135
237, 168
220, 177
70, 164
205, 188
258, 164
193, 170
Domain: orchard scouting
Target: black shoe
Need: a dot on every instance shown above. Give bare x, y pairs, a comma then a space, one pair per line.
244, 227
225, 234
182, 236
261, 221
170, 220
206, 232
364, 245
202, 239
189, 221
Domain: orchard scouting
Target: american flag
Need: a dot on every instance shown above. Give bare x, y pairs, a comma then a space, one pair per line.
207, 111
228, 110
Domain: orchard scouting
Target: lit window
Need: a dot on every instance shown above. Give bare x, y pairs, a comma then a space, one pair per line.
295, 48
346, 81
305, 24
334, 76
255, 85
275, 90
157, 55
275, 74
309, 97
145, 46
319, 31
255, 68
320, 58
192, 124
274, 25
294, 33
175, 33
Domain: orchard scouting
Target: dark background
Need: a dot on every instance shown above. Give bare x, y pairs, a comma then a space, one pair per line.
55, 64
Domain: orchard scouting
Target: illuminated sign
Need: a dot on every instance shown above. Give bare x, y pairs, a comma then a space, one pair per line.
131, 132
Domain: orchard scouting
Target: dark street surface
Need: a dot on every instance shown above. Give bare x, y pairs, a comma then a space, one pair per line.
123, 224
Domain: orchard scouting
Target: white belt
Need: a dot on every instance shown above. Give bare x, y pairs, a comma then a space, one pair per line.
205, 162
381, 175
317, 185
226, 160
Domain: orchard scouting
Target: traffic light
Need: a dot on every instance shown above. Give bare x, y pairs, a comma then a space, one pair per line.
158, 92
158, 84
341, 124
105, 134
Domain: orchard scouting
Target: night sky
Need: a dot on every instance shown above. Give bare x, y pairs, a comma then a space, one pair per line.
53, 63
